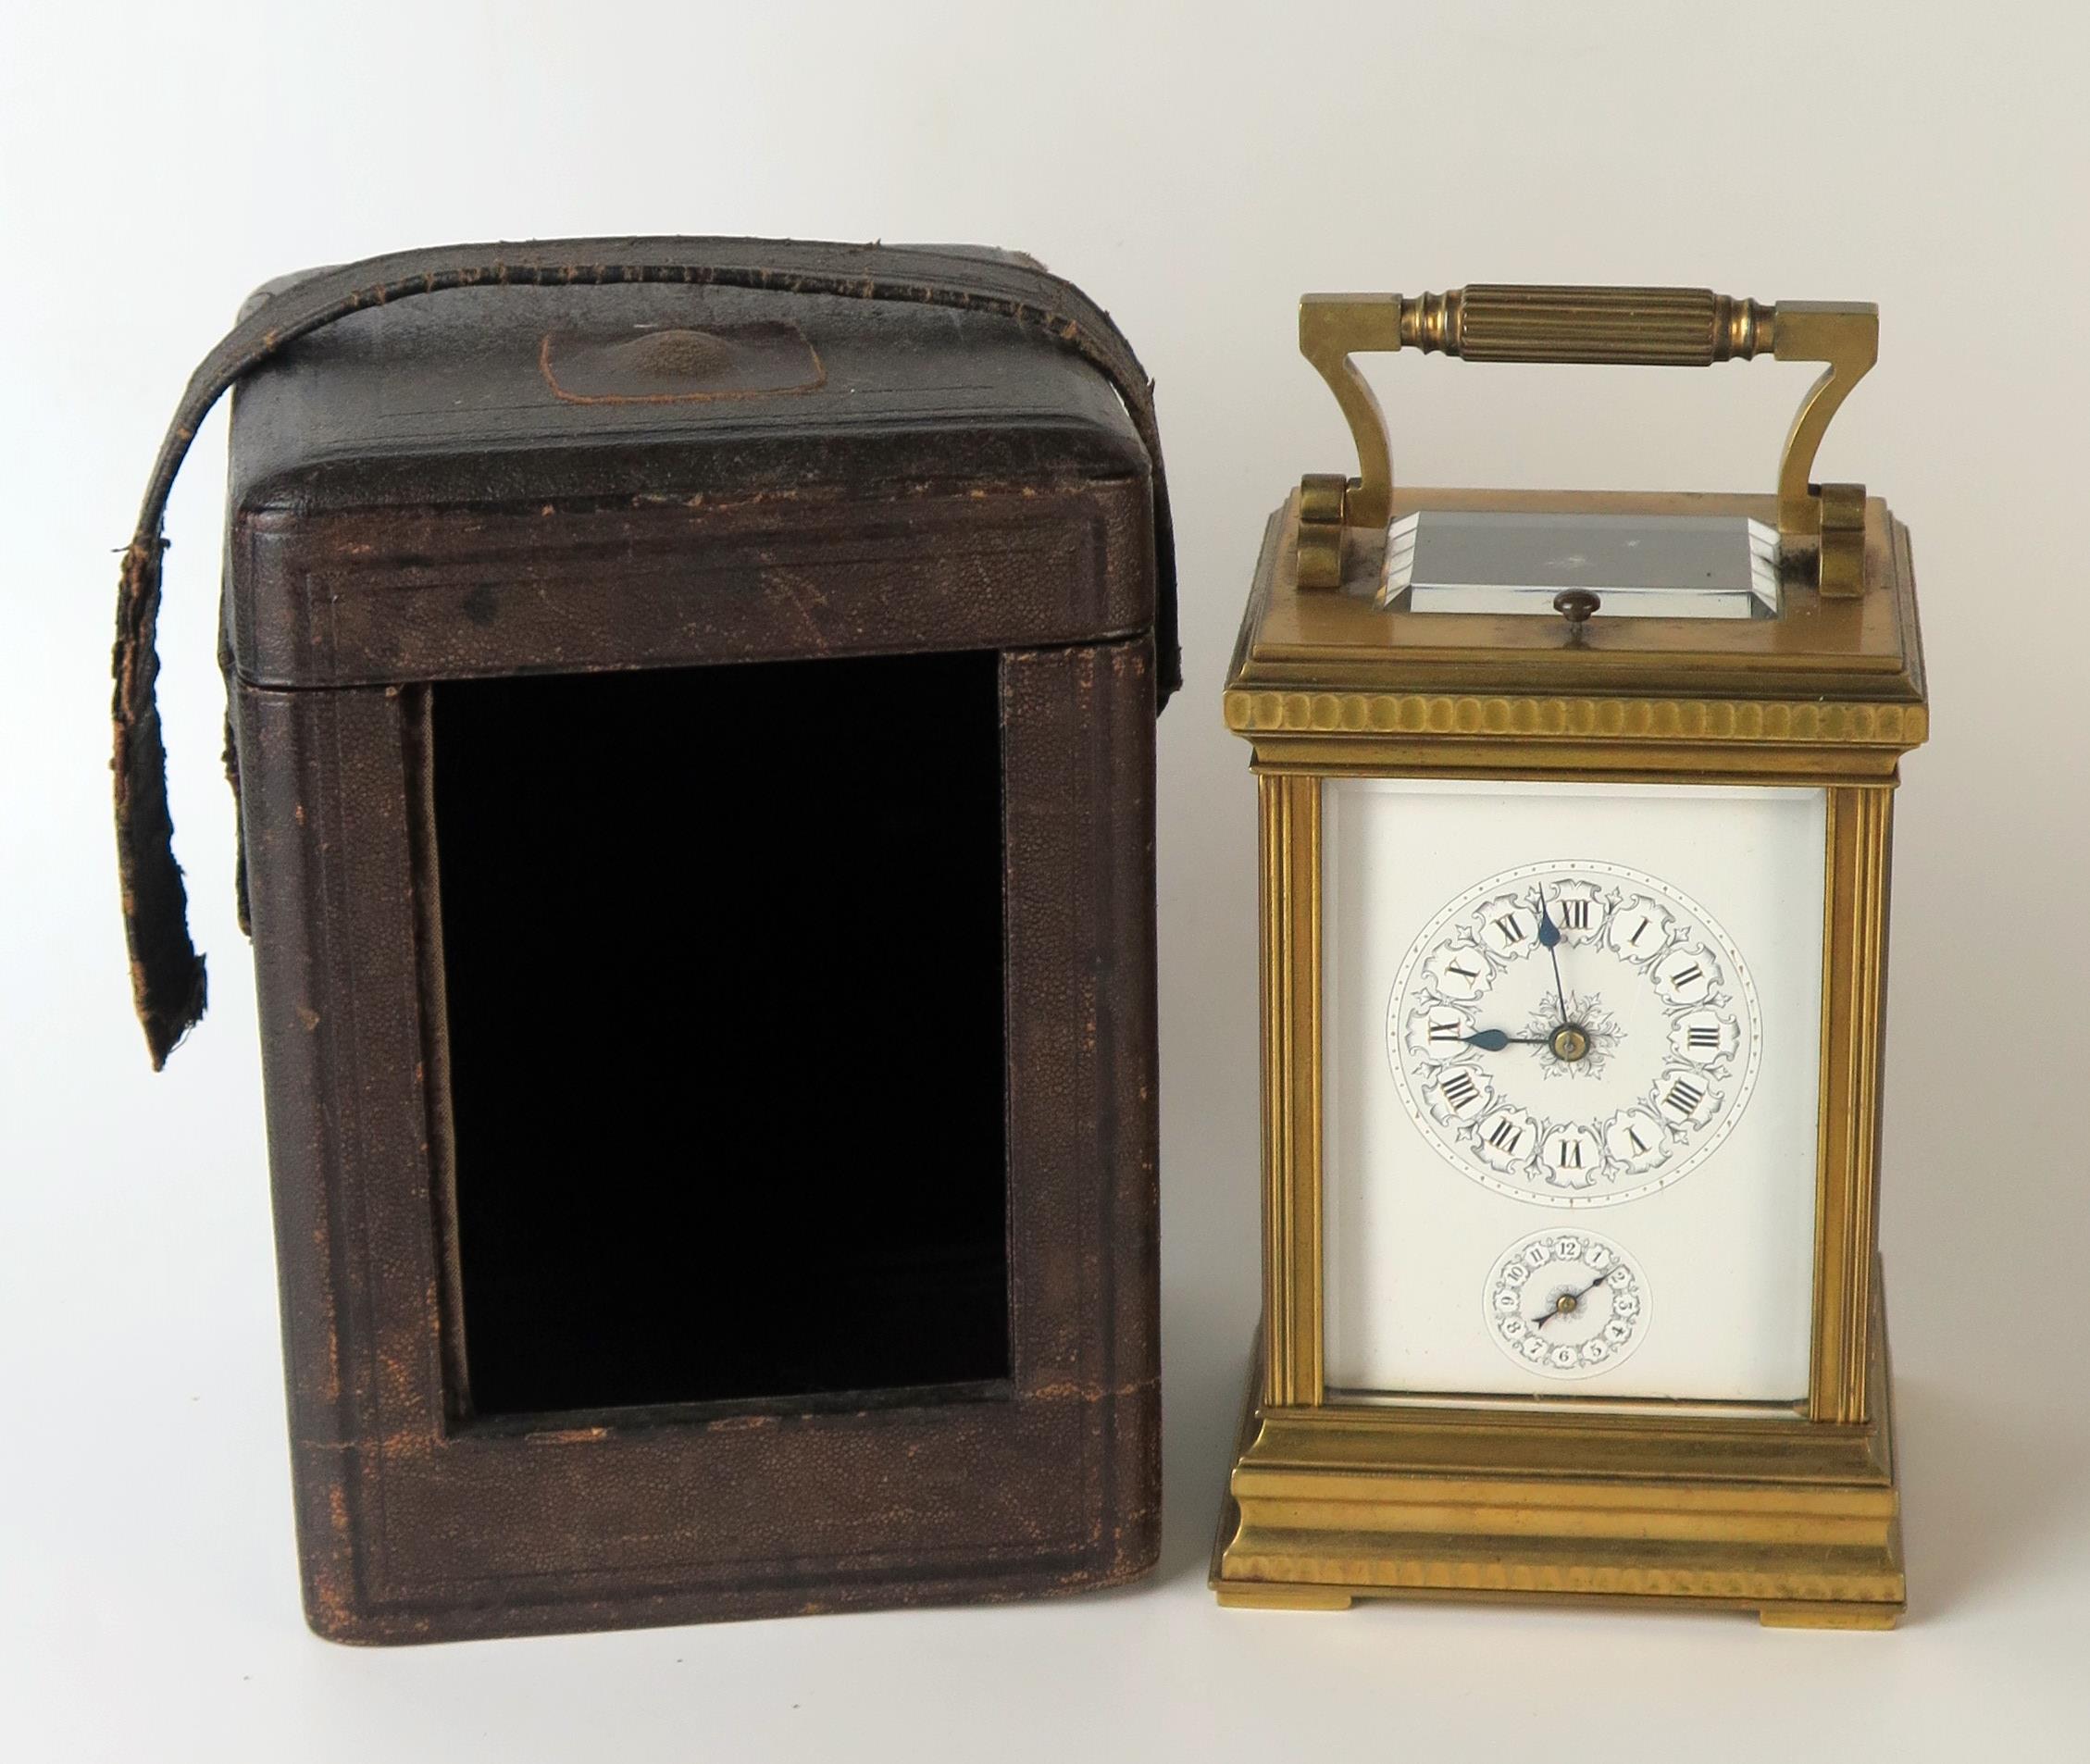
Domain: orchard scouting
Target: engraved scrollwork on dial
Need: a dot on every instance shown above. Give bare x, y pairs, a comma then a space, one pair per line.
1573, 1033
1566, 1304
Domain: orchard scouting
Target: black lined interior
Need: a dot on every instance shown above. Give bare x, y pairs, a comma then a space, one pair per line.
723, 951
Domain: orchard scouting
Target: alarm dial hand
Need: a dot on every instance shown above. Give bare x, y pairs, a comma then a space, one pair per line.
1569, 1301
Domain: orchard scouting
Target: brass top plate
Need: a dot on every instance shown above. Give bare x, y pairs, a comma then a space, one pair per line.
1818, 654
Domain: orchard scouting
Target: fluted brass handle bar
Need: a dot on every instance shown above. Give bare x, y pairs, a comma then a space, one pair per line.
1647, 327
1821, 527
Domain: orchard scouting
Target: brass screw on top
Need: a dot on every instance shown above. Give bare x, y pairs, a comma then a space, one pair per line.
1569, 1042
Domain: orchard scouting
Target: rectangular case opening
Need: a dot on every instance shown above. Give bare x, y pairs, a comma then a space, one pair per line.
723, 952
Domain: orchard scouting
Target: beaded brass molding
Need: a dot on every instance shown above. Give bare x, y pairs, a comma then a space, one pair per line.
1251, 711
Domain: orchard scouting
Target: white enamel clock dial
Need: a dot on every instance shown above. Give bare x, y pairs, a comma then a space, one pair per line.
1570, 1012
1567, 1304
1576, 1033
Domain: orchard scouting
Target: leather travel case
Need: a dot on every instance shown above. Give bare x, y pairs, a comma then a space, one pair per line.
692, 708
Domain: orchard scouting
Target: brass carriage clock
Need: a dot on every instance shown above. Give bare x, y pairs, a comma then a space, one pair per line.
1574, 843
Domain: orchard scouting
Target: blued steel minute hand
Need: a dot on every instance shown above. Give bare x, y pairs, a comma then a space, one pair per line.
1549, 940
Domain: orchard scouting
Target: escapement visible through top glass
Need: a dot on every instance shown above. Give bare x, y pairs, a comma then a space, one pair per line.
1639, 565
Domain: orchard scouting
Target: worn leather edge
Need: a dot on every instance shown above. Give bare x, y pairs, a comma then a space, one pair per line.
507, 1617
168, 982
379, 597
323, 1120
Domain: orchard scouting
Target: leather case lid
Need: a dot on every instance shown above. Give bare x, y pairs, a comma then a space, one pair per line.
598, 421
521, 478
496, 395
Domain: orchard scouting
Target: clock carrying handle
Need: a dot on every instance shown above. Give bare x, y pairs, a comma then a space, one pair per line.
1820, 527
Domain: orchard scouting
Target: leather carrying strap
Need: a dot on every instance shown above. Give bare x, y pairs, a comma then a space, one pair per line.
166, 974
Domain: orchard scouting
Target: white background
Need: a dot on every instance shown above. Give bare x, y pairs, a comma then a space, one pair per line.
1196, 167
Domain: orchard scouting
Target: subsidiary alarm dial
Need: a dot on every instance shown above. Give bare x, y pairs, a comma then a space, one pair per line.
1567, 1304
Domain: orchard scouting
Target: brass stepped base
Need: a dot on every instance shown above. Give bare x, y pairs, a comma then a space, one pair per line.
1797, 1520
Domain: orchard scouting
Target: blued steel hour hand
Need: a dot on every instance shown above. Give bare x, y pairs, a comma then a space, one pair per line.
1494, 1040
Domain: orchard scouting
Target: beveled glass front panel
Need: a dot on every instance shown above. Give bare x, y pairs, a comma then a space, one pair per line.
1571, 1054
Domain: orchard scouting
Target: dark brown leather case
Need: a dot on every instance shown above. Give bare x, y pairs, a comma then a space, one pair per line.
695, 747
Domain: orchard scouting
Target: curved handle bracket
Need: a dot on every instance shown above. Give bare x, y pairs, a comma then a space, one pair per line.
1847, 337
1821, 528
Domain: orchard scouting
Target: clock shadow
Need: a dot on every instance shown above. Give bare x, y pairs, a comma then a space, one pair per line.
1987, 1484
1207, 1348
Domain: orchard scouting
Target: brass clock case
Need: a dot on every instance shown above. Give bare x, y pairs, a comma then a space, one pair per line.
1794, 1514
